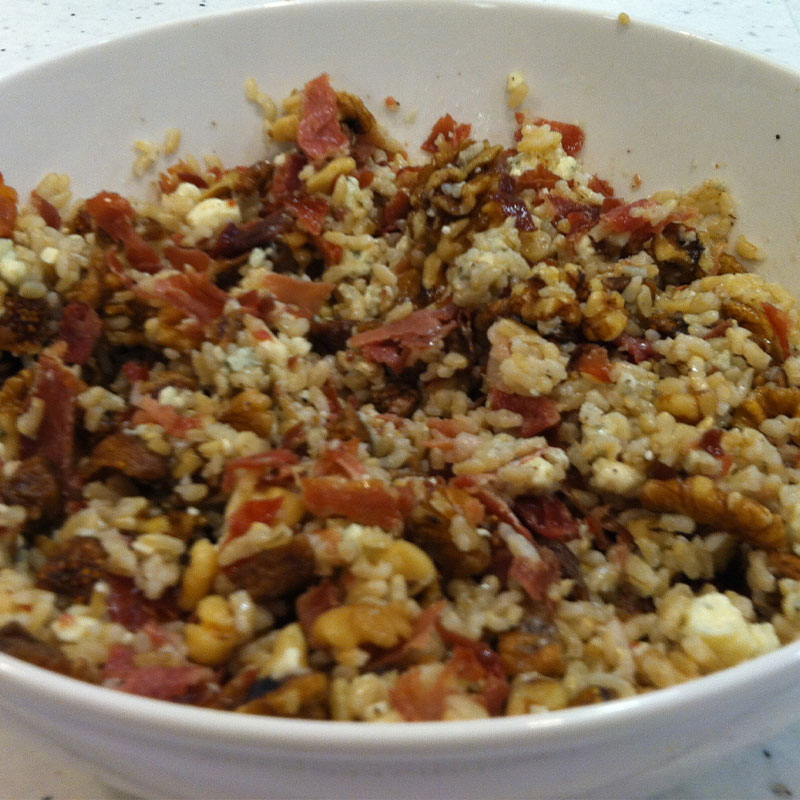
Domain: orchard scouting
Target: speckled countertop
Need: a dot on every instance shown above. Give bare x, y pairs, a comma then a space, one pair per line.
34, 30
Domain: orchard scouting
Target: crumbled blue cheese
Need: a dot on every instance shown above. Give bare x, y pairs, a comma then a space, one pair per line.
715, 620
522, 361
170, 396
539, 472
491, 264
50, 255
616, 477
211, 215
72, 628
12, 270
241, 358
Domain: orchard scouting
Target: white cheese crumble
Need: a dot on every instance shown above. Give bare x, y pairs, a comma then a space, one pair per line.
210, 216
721, 625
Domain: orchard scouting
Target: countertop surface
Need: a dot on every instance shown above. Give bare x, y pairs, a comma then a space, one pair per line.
35, 30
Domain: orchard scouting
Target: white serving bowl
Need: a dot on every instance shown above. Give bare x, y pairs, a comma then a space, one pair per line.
668, 106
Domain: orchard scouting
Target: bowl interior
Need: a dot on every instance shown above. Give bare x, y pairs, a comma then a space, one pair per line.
670, 107
653, 103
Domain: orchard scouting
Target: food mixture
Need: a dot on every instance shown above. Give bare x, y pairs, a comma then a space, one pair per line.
347, 435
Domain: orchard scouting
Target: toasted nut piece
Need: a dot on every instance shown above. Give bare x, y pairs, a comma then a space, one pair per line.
13, 396
289, 654
766, 402
526, 301
304, 696
431, 529
199, 575
728, 265
701, 499
212, 640
346, 627
285, 128
411, 562
354, 113
529, 652
755, 320
604, 316
187, 463
535, 245
250, 410
591, 695
528, 696
666, 249
323, 180
684, 407
470, 192
292, 510
785, 564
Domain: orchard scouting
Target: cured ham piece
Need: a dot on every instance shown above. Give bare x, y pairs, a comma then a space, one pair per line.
190, 292
535, 577
368, 501
128, 606
315, 601
263, 509
177, 683
114, 215
593, 360
451, 132
638, 348
151, 411
58, 389
547, 515
267, 464
634, 218
342, 460
310, 212
320, 134
538, 413
47, 211
308, 295
572, 136
80, 328
397, 344
182, 257
781, 324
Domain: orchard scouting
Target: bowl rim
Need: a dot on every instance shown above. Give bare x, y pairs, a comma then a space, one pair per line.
560, 8
550, 728
601, 721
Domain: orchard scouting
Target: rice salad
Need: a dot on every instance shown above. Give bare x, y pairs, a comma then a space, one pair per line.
346, 434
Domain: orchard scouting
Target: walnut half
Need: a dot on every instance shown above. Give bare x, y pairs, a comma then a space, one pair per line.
766, 402
701, 499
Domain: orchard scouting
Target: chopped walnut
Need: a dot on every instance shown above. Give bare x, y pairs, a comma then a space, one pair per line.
755, 320
688, 408
604, 316
701, 499
249, 411
304, 696
431, 529
766, 402
729, 265
785, 564
25, 324
526, 301
355, 114
523, 652
13, 398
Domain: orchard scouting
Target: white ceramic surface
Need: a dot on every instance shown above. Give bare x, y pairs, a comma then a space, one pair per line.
652, 102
